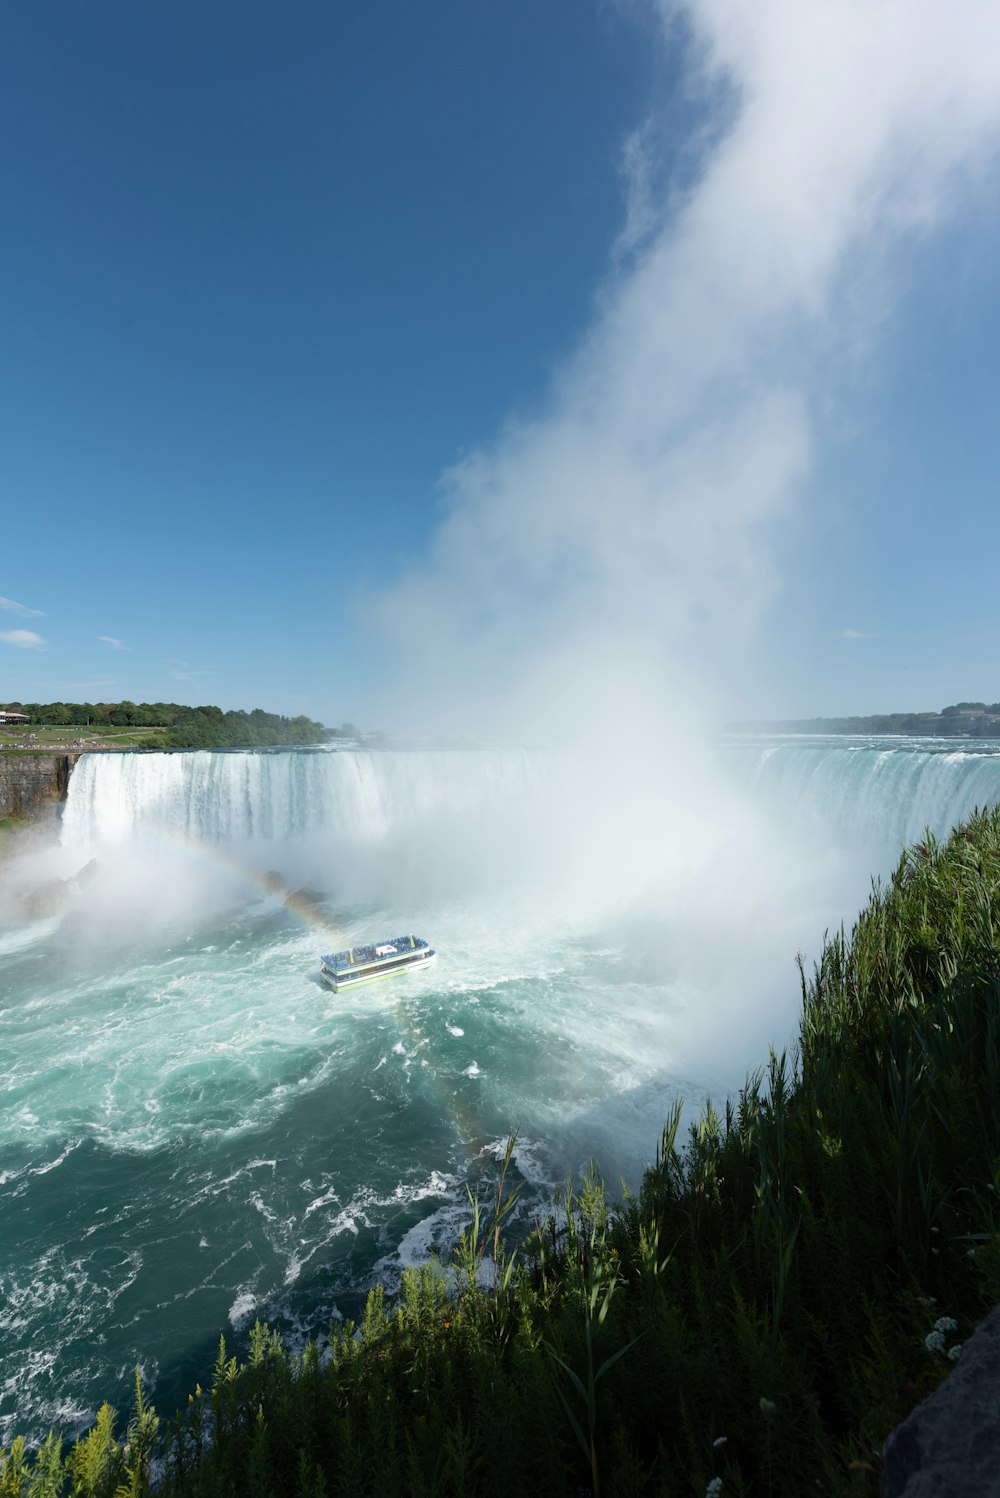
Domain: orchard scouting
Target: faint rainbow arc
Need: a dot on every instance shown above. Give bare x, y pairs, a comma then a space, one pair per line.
469, 1129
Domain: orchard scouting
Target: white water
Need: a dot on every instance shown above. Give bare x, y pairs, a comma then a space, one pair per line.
193, 1131
877, 793
283, 795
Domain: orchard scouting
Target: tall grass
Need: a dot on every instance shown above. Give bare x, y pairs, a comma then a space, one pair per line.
755, 1320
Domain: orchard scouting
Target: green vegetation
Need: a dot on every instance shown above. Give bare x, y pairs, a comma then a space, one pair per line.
211, 728
968, 719
159, 725
11, 829
49, 736
783, 1289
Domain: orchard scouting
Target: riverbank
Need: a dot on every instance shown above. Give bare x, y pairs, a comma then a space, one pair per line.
785, 1287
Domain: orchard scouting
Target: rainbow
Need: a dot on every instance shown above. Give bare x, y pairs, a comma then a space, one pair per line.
304, 906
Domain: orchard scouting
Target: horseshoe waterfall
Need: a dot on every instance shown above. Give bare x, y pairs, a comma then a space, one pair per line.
195, 1132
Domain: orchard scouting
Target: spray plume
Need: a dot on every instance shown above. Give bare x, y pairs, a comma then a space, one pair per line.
601, 568
621, 543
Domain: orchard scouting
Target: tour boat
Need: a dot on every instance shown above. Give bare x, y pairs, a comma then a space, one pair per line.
382, 959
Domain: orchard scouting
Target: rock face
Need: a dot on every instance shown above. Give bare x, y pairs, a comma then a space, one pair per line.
51, 897
951, 1442
32, 785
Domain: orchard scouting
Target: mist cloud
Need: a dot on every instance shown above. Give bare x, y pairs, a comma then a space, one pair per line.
633, 520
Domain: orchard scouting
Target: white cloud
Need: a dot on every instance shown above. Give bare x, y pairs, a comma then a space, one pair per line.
641, 512
853, 634
25, 639
20, 608
114, 644
643, 210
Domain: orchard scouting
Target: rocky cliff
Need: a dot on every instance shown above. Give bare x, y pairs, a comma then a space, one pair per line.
32, 785
951, 1442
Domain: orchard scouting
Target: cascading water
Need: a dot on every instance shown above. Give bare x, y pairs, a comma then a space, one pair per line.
881, 792
194, 1132
232, 797
885, 790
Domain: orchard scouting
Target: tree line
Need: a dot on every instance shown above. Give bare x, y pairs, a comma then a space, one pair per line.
981, 719
205, 727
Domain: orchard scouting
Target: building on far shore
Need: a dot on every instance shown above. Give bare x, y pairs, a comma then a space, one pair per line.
6, 717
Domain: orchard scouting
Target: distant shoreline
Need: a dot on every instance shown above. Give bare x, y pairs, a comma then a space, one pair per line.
964, 722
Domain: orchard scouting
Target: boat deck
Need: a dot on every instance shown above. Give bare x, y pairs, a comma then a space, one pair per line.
375, 960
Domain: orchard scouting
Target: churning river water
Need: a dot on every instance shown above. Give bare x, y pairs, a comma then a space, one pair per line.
194, 1132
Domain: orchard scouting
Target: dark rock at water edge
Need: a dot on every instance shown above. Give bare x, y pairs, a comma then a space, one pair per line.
33, 785
951, 1442
51, 896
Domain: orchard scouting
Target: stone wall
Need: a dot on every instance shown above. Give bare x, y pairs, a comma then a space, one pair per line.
32, 785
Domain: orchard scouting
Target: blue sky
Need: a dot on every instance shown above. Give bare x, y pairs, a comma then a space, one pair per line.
498, 348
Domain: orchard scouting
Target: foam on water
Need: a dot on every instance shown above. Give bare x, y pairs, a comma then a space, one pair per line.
194, 1131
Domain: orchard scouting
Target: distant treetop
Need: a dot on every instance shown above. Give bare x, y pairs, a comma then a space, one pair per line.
206, 727
975, 719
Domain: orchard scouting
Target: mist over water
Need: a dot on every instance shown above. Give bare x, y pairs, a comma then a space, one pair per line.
195, 1132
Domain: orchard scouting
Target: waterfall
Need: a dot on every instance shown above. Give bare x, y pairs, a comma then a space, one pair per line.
878, 793
615, 929
215, 797
873, 794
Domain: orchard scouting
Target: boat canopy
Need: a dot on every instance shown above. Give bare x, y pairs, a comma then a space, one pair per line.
355, 957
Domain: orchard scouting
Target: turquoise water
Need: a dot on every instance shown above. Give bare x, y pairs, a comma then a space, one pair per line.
195, 1132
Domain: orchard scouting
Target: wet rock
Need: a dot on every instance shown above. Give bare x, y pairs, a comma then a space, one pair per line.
44, 899
52, 896
951, 1442
306, 899
32, 784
